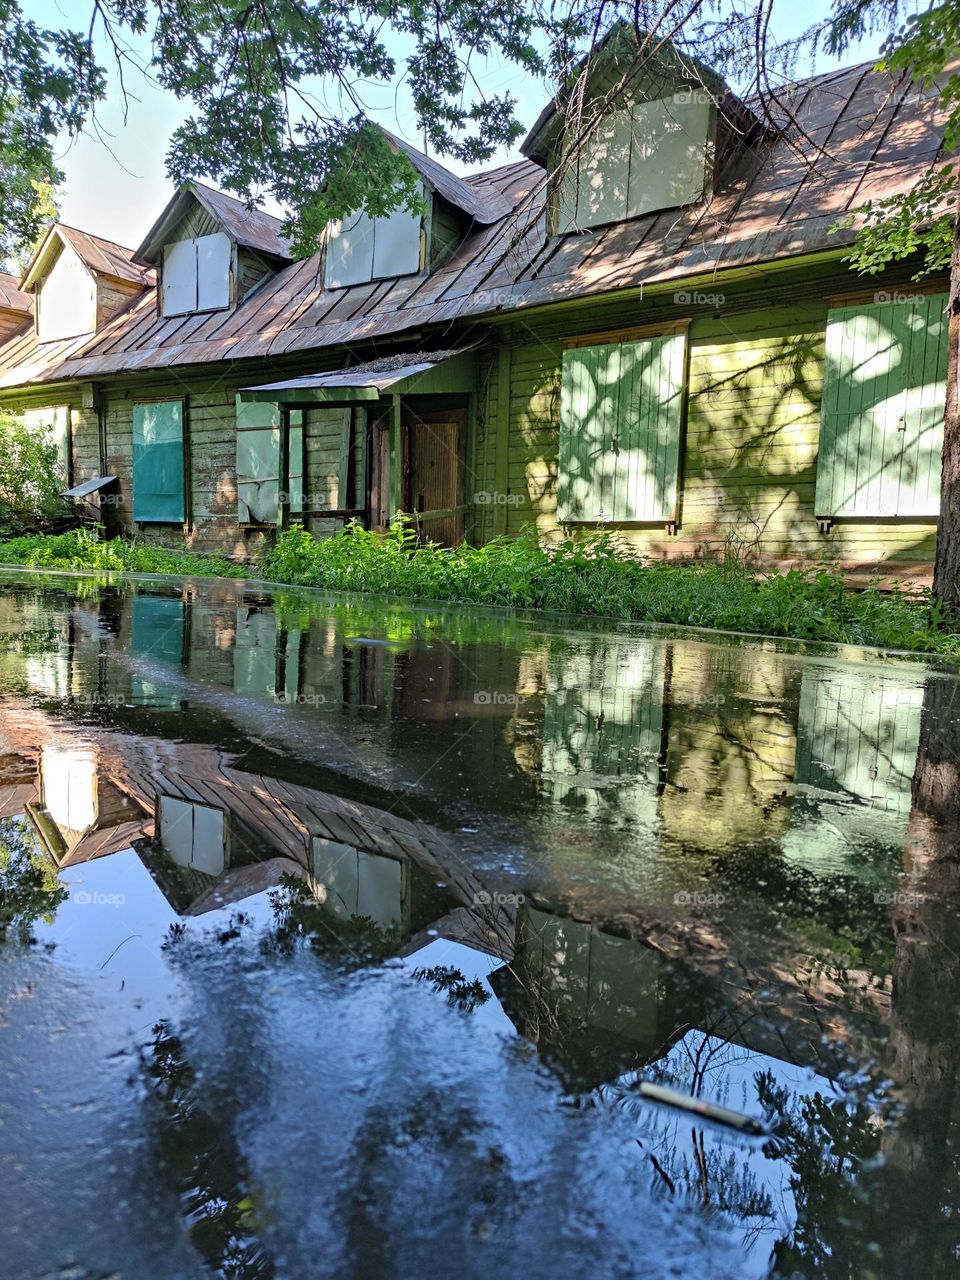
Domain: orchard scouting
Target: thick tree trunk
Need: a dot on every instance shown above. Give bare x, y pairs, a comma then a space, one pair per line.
946, 571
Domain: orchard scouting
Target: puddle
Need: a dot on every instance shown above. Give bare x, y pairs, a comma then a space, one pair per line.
343, 936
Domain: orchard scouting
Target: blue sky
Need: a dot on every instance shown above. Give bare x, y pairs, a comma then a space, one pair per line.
115, 180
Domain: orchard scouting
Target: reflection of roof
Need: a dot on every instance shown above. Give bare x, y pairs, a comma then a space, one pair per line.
250, 228
102, 257
12, 297
882, 134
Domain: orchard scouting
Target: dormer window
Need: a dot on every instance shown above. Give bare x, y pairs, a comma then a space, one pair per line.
634, 132
654, 155
360, 248
196, 275
80, 282
210, 251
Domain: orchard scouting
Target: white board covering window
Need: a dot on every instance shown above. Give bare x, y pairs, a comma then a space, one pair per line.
67, 300
652, 156
196, 274
360, 248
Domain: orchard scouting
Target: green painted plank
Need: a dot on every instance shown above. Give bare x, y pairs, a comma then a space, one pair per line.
159, 488
882, 410
621, 410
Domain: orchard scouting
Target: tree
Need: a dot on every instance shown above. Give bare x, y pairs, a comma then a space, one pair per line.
277, 87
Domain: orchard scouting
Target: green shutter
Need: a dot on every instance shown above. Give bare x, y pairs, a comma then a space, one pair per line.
295, 461
258, 463
621, 409
55, 421
858, 735
881, 424
159, 491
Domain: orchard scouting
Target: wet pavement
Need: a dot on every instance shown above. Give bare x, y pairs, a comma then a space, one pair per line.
343, 938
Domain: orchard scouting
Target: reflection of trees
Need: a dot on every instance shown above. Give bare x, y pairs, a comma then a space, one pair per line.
202, 1160
29, 889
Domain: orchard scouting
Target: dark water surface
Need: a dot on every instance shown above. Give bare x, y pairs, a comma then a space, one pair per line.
341, 938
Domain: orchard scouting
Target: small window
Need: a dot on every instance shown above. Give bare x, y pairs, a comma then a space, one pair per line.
258, 463
194, 835
621, 406
196, 275
159, 487
361, 248
652, 156
881, 418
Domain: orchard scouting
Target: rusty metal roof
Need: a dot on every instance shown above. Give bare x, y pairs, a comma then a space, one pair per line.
483, 206
879, 135
103, 257
250, 228
12, 297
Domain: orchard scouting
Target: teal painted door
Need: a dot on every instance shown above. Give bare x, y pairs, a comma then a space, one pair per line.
621, 408
881, 427
159, 488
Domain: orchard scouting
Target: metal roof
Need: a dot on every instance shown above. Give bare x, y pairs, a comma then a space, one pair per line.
102, 257
770, 206
250, 228
362, 381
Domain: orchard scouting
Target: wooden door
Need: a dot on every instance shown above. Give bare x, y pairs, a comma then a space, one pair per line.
434, 475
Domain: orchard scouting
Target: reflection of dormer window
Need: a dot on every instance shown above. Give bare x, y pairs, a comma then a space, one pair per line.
653, 155
360, 248
195, 275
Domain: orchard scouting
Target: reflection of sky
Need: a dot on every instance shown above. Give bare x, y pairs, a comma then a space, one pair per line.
113, 924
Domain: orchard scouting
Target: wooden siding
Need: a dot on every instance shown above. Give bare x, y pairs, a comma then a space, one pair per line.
749, 454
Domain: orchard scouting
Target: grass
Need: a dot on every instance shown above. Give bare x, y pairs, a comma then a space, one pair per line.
592, 575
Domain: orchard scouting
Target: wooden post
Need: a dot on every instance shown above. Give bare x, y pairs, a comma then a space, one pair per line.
396, 458
501, 470
283, 488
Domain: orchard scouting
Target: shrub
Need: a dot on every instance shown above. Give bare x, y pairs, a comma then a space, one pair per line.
591, 575
29, 478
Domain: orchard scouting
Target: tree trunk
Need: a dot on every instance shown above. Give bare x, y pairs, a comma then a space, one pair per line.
946, 570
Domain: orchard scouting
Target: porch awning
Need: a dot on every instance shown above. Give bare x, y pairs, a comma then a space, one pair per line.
89, 487
420, 373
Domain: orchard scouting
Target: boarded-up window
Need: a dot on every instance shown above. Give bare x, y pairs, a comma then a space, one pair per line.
159, 490
881, 423
362, 248
194, 835
157, 626
55, 422
654, 155
620, 421
258, 463
196, 274
67, 301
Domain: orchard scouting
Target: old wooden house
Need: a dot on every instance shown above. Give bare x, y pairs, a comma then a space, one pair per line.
652, 329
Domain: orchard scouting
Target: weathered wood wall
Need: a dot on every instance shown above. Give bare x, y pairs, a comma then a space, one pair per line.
748, 463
